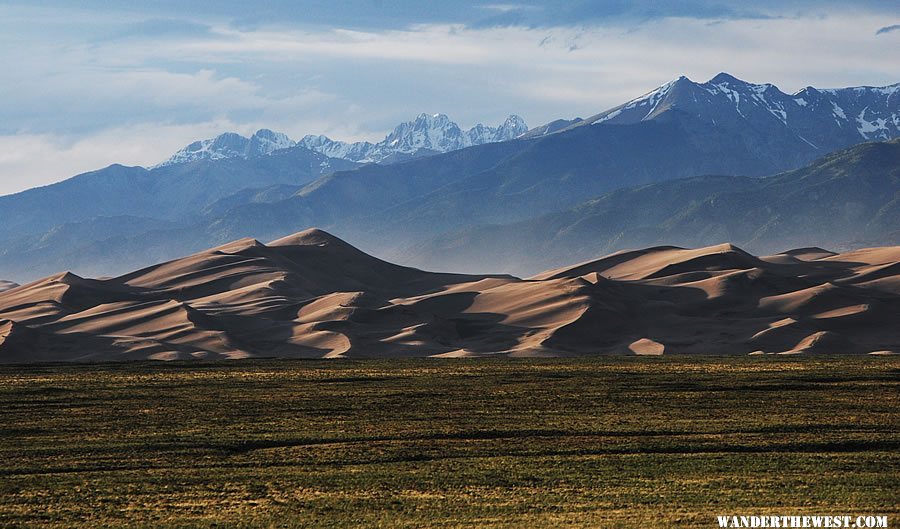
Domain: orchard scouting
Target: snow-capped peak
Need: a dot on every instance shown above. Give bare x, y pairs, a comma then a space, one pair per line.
231, 145
513, 127
425, 134
432, 132
265, 141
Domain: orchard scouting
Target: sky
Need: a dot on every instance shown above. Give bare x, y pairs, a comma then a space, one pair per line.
95, 82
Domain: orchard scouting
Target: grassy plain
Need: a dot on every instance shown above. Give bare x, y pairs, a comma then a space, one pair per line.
600, 442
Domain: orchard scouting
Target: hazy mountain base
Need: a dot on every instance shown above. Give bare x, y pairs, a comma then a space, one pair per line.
172, 193
849, 199
616, 442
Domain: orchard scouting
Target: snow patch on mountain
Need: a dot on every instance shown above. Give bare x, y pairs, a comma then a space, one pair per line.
888, 90
649, 100
838, 111
868, 128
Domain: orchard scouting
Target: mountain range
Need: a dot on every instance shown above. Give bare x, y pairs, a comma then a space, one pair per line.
419, 210
312, 295
821, 118
171, 192
423, 136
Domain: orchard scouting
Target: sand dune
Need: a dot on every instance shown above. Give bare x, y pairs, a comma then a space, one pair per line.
312, 295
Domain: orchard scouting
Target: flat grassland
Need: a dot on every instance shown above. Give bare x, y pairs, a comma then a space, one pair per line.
611, 442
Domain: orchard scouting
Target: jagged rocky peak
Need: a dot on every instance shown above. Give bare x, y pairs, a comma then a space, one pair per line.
513, 127
437, 132
425, 134
428, 131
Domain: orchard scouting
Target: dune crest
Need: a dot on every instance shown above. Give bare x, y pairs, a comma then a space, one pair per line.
312, 295
647, 347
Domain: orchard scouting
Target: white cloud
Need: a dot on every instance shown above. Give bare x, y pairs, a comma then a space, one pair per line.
506, 8
606, 63
427, 44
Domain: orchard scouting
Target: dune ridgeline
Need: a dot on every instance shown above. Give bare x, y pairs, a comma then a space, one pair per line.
311, 295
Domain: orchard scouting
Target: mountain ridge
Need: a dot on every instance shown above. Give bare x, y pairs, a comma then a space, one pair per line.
861, 113
423, 135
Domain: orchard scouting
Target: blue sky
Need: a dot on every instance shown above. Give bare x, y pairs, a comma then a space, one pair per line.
97, 82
